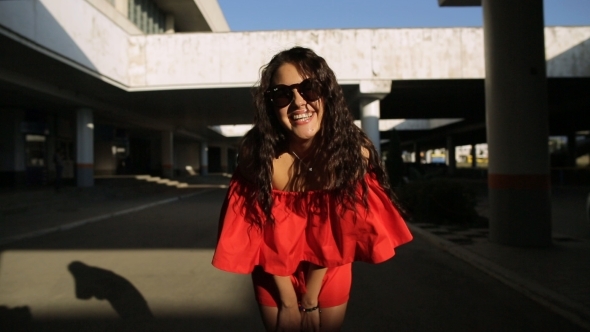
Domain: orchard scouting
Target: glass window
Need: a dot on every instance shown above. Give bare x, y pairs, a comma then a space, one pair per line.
146, 15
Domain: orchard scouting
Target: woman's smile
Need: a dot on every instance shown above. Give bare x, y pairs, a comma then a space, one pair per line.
302, 117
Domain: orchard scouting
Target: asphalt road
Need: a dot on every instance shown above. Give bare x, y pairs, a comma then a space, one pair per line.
150, 271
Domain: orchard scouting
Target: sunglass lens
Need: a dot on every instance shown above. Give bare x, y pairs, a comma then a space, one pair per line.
309, 90
282, 96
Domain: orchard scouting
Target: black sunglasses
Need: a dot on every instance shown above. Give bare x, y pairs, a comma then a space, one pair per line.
282, 95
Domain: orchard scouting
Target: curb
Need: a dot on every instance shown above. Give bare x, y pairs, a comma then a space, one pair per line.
572, 311
68, 226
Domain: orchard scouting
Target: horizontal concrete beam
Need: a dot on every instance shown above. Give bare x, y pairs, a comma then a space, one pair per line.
209, 60
374, 88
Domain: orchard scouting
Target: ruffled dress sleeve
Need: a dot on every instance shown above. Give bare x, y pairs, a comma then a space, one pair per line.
309, 226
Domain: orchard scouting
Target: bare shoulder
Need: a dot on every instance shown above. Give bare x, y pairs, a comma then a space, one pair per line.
280, 175
365, 152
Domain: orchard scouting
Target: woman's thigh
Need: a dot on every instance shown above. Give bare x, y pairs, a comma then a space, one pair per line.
335, 288
269, 317
331, 318
333, 297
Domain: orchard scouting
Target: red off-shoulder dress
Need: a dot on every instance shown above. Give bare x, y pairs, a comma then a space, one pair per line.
309, 226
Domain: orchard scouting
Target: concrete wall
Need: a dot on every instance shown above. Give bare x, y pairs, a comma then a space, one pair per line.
225, 59
80, 34
568, 51
196, 60
72, 30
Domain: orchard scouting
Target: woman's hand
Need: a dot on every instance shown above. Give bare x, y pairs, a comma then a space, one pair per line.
289, 319
310, 320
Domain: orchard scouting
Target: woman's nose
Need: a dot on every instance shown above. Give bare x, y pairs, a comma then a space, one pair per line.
298, 99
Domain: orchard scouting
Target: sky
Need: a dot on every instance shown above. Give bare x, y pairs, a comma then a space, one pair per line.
256, 15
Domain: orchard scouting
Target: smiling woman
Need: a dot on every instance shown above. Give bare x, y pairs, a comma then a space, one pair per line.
308, 198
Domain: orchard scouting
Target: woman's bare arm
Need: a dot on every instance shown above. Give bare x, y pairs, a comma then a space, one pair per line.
309, 300
289, 318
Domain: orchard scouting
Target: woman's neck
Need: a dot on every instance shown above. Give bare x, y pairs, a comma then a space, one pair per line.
301, 149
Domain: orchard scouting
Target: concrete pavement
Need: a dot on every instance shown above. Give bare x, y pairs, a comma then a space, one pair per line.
556, 277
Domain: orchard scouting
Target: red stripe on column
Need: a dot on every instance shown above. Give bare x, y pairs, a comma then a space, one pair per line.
85, 165
519, 181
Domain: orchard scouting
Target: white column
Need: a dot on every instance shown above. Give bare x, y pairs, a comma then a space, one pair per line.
517, 123
371, 93
370, 115
167, 154
204, 158
84, 148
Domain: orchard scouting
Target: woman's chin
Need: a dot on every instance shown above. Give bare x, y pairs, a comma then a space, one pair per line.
303, 134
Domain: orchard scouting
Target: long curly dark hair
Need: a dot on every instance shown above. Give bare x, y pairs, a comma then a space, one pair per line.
336, 148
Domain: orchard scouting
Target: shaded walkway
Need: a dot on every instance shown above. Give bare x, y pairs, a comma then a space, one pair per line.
164, 252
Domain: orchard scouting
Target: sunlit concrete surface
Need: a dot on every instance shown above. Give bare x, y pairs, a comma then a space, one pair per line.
568, 51
174, 283
96, 44
162, 61
166, 182
177, 184
75, 31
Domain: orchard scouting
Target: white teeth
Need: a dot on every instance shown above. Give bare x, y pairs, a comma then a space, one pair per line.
301, 116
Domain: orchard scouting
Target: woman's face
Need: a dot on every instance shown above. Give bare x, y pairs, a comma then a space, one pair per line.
301, 119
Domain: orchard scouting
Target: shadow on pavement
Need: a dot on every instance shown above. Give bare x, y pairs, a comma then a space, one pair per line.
105, 285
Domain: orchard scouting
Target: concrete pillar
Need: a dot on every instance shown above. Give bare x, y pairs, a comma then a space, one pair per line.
167, 154
224, 160
204, 158
417, 158
473, 156
517, 123
371, 92
84, 148
451, 160
571, 150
